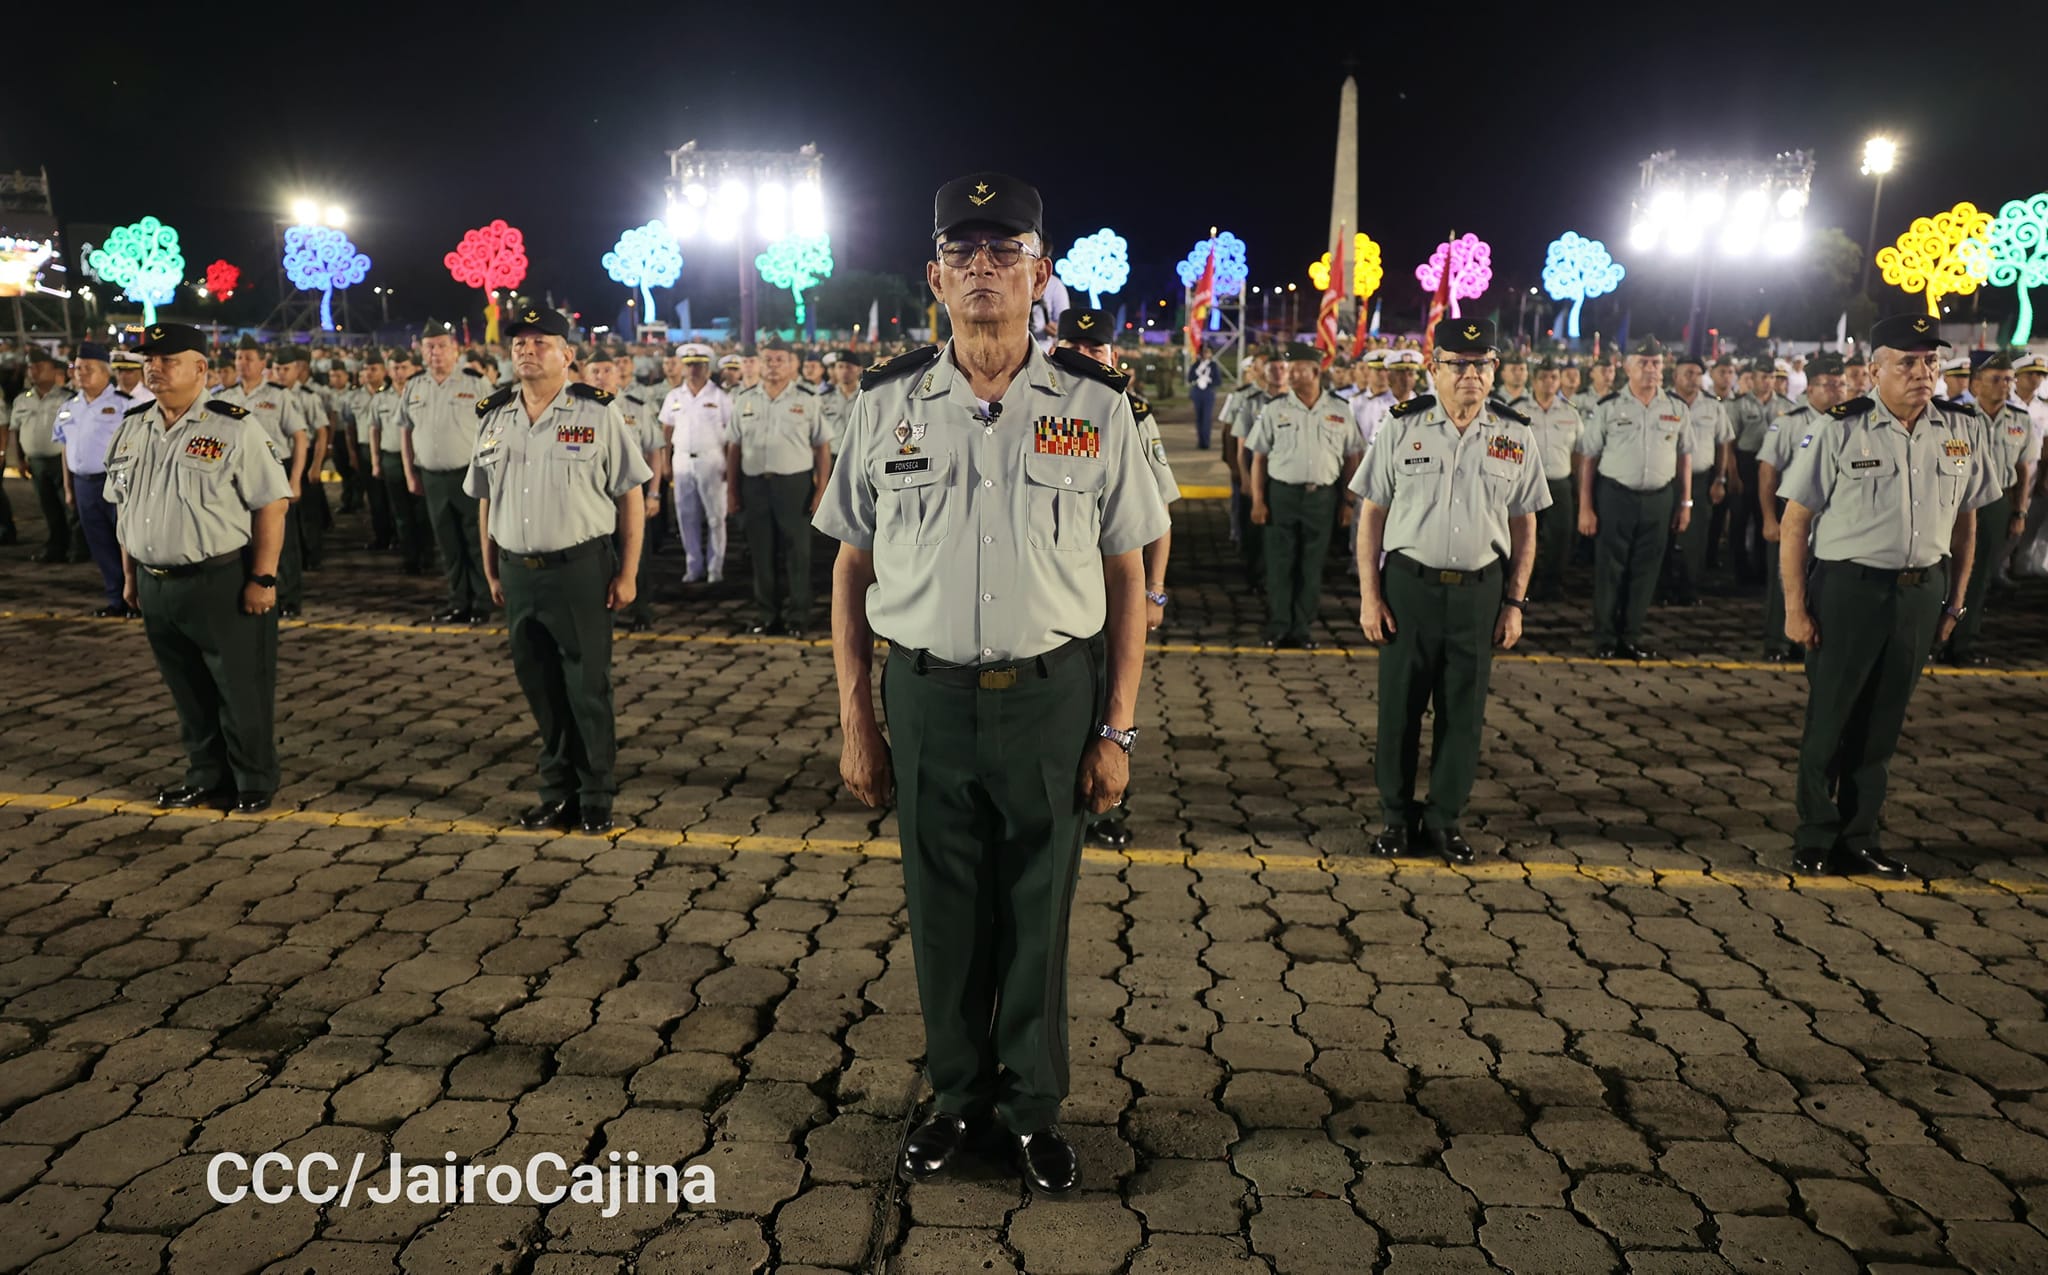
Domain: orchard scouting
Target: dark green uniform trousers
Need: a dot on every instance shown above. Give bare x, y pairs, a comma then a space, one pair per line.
377, 494
1686, 556
291, 569
1627, 554
316, 515
989, 810
451, 515
1441, 658
1299, 519
562, 653
1555, 527
641, 610
62, 537
1993, 522
408, 514
1875, 631
221, 668
779, 545
1775, 641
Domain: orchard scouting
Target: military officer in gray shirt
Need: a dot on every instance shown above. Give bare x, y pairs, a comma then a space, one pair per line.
202, 502
1782, 442
1557, 428
555, 474
1886, 492
1304, 448
1713, 460
611, 374
281, 415
1452, 486
33, 423
992, 504
776, 468
842, 386
1634, 448
437, 424
1751, 414
2010, 452
1239, 414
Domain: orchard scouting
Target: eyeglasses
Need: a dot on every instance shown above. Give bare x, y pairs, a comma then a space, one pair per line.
1918, 362
1458, 368
1002, 253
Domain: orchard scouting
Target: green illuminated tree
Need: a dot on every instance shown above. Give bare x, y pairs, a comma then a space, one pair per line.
2018, 244
797, 263
143, 260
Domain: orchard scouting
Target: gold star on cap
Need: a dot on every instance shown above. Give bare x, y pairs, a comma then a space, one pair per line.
1919, 325
982, 194
532, 316
156, 333
1471, 332
1085, 322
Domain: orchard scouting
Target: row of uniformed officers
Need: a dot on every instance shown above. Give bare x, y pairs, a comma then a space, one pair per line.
996, 506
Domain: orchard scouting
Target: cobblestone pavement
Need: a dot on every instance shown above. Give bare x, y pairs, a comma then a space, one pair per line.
1629, 1042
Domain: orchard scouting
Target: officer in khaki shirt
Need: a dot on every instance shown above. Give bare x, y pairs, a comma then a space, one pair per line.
835, 398
1782, 442
1712, 436
1268, 382
643, 422
1634, 448
1557, 428
1886, 491
1452, 487
33, 423
282, 417
777, 465
1751, 415
2010, 451
555, 474
437, 423
992, 504
202, 502
1304, 448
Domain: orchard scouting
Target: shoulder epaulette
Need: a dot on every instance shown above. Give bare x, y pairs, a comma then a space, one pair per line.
469, 369
492, 402
591, 392
1139, 407
1959, 407
123, 395
1081, 365
900, 365
226, 408
1800, 410
805, 387
143, 406
1854, 407
1608, 399
1502, 409
1420, 403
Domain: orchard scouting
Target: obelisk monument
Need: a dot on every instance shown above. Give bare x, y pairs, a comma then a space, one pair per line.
1344, 179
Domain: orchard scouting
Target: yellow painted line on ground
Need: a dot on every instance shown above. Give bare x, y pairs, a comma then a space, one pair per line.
1203, 492
1503, 869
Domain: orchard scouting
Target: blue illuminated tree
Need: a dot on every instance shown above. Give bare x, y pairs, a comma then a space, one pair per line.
1577, 269
144, 261
645, 257
798, 263
1096, 264
1231, 271
321, 259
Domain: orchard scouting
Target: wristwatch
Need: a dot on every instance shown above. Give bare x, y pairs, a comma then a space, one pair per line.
1121, 738
1156, 599
1953, 613
263, 582
1519, 604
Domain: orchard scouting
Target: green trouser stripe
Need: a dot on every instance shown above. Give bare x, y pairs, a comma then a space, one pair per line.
1874, 637
778, 528
1440, 658
451, 514
221, 668
1627, 554
989, 812
1993, 521
561, 638
1297, 540
1554, 529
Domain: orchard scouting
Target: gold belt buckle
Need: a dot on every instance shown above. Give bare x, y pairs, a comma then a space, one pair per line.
1912, 577
1450, 577
998, 679
533, 564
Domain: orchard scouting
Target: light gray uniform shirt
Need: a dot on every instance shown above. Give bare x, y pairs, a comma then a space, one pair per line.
1449, 495
1557, 429
777, 435
1305, 445
274, 409
186, 493
442, 417
1637, 444
553, 482
1882, 495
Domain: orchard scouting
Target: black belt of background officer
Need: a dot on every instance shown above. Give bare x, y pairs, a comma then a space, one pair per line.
191, 568
1304, 486
1436, 575
1904, 579
555, 557
990, 677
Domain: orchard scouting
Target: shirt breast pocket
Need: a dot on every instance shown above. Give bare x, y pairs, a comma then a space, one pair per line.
1064, 492
1501, 477
912, 497
120, 473
199, 475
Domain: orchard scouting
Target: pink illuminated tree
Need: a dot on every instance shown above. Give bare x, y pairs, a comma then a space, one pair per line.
490, 257
1470, 261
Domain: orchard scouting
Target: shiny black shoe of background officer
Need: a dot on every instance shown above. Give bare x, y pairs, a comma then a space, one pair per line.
186, 796
565, 815
1846, 861
1396, 839
1044, 1158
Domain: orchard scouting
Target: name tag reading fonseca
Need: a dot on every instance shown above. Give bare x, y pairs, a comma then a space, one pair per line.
915, 465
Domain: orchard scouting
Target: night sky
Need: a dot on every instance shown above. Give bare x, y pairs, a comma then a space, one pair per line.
1515, 127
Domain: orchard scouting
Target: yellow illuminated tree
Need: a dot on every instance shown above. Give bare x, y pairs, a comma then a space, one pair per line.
1366, 271
1939, 256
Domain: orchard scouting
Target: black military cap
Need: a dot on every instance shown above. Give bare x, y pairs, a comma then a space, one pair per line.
405, 356
373, 358
1544, 364
539, 319
1906, 332
1767, 366
992, 199
94, 350
1697, 360
831, 357
1512, 356
434, 327
774, 343
297, 354
1084, 326
1824, 363
1300, 352
37, 354
1857, 360
1647, 346
1465, 336
225, 361
249, 342
172, 338
1980, 360
1724, 361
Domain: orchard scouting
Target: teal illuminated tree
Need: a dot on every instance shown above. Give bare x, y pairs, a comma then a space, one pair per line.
1577, 269
143, 260
646, 257
797, 263
2019, 255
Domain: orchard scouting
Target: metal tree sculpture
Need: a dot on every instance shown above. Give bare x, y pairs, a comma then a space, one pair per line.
797, 263
221, 278
1367, 270
1096, 264
1939, 256
143, 260
1470, 261
1231, 271
2019, 255
490, 257
645, 257
321, 259
1577, 269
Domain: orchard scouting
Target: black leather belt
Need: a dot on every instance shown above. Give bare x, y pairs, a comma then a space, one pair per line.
1437, 575
988, 677
1884, 575
191, 568
555, 557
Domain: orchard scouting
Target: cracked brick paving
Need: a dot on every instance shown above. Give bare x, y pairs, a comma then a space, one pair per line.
1629, 1042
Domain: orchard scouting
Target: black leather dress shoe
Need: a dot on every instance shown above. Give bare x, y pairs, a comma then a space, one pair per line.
184, 796
113, 613
1451, 844
449, 615
1048, 1160
1110, 834
287, 613
1868, 859
1305, 644
1392, 841
476, 617
764, 630
1607, 653
252, 803
595, 822
930, 1146
794, 631
1630, 651
548, 814
1811, 861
